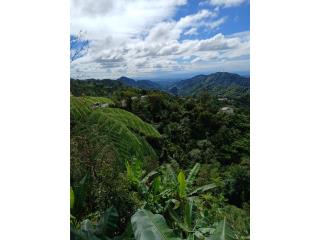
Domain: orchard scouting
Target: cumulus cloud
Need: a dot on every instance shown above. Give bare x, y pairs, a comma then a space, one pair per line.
124, 18
165, 31
138, 37
226, 3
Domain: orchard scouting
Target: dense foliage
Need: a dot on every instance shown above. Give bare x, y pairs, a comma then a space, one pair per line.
220, 83
149, 165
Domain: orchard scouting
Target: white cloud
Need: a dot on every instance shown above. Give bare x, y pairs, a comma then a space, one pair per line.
191, 31
217, 23
122, 18
197, 59
166, 31
140, 37
226, 3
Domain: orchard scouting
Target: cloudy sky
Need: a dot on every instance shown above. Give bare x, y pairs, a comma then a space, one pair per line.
158, 39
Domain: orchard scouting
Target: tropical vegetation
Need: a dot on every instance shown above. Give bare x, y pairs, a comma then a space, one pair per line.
148, 164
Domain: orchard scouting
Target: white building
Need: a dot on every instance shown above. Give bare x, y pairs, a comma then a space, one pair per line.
228, 110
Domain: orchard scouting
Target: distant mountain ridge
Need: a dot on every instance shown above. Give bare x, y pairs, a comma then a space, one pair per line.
219, 83
144, 84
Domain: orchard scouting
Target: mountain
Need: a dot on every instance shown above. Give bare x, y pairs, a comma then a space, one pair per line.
144, 84
220, 84
127, 81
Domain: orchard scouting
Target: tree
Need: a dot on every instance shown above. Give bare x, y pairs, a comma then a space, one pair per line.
79, 46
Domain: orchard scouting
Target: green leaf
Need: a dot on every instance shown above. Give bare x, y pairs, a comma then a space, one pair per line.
156, 184
79, 191
71, 198
130, 173
149, 226
182, 185
86, 225
178, 222
149, 175
191, 236
171, 174
203, 189
222, 232
193, 173
188, 214
108, 223
176, 204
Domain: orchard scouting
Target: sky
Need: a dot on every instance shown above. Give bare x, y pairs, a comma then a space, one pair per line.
160, 39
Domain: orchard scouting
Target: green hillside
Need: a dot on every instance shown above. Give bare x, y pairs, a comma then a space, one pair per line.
146, 164
118, 131
219, 84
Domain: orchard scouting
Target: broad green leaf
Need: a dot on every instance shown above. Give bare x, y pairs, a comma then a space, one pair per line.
177, 221
127, 234
79, 191
222, 232
86, 225
193, 173
203, 189
199, 235
149, 226
191, 236
182, 185
108, 223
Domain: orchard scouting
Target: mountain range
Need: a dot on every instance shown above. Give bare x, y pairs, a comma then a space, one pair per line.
220, 84
144, 84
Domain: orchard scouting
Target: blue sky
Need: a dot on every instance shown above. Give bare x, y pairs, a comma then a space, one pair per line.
238, 17
161, 38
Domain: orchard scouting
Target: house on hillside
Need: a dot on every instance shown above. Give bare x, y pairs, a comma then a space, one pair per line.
228, 110
123, 103
144, 97
101, 105
95, 105
104, 105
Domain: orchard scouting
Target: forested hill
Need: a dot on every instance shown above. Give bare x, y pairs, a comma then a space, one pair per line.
107, 86
220, 84
143, 84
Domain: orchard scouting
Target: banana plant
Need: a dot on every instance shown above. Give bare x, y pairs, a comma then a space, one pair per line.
181, 187
103, 230
137, 176
77, 196
222, 232
149, 226
182, 200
